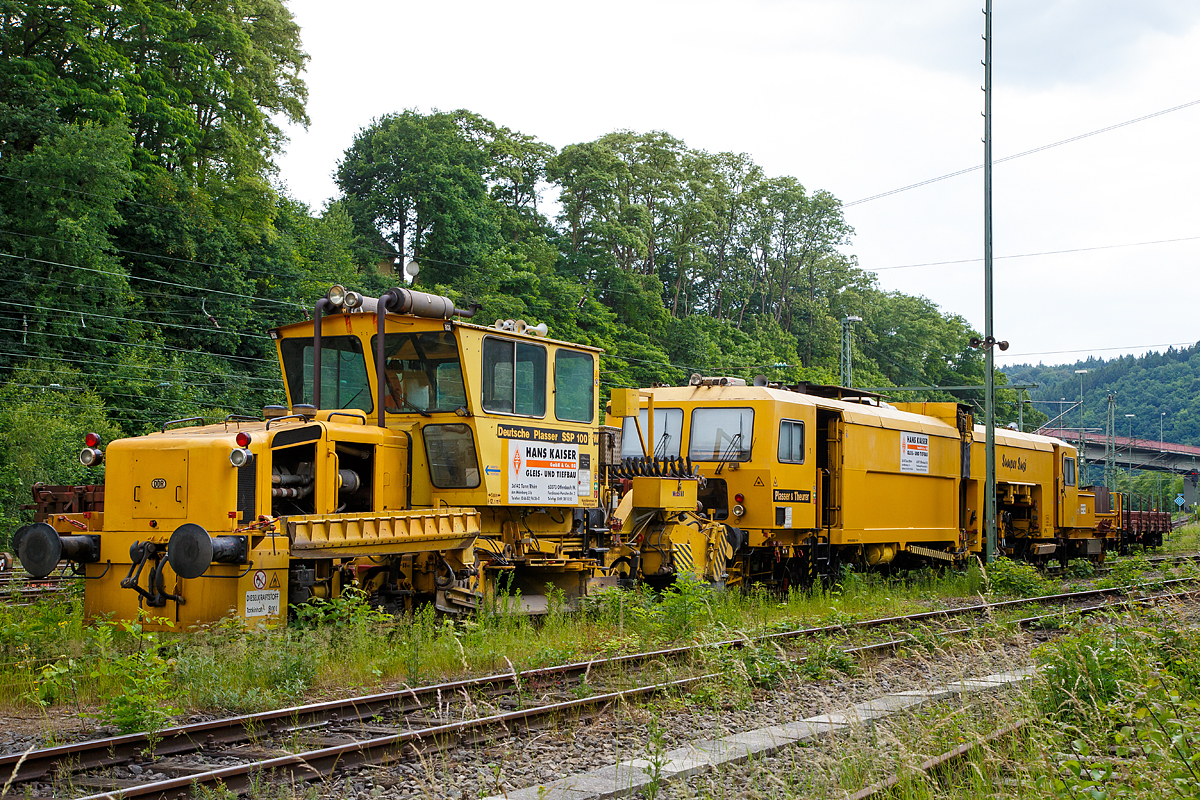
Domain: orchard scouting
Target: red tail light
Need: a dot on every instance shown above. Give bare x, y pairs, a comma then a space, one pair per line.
739, 498
243, 439
92, 439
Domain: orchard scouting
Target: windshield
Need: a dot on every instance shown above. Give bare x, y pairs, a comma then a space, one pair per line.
721, 434
668, 433
344, 382
423, 373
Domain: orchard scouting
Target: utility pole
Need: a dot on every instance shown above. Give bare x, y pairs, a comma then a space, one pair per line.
1082, 460
989, 510
1110, 445
1158, 498
847, 350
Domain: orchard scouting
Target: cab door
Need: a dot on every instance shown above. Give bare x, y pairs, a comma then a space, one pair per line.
793, 479
1067, 483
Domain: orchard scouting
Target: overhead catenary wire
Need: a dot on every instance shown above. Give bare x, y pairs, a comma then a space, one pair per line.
956, 173
1032, 255
151, 280
73, 311
147, 412
139, 344
106, 393
228, 375
1097, 349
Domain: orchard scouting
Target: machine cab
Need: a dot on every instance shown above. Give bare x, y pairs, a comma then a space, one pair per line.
487, 415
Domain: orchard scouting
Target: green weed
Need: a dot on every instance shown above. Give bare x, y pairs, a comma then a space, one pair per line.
141, 697
1009, 578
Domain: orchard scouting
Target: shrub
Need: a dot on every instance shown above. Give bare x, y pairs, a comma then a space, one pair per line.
1016, 579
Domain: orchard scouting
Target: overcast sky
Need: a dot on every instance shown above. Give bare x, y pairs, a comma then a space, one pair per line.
857, 97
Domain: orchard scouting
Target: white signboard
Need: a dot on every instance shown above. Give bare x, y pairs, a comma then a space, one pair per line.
914, 452
584, 476
262, 603
543, 473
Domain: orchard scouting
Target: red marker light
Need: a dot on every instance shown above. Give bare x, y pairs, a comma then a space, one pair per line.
91, 439
739, 498
243, 439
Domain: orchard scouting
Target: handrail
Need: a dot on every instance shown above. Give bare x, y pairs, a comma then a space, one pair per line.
239, 418
169, 423
363, 417
281, 419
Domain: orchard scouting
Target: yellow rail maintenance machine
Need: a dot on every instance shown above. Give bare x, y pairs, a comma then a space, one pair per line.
420, 458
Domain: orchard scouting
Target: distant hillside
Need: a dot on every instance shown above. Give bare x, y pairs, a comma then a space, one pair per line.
1145, 387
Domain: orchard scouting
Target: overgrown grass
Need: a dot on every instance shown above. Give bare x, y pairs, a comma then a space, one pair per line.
1183, 540
52, 657
1117, 715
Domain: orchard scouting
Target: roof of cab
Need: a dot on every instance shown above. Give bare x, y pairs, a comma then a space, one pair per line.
854, 413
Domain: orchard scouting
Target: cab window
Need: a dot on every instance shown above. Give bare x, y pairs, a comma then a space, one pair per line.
451, 452
514, 377
668, 433
721, 434
791, 441
574, 385
344, 381
1069, 471
422, 372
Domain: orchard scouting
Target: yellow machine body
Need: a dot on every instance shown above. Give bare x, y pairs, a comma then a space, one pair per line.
479, 481
1042, 511
804, 481
469, 463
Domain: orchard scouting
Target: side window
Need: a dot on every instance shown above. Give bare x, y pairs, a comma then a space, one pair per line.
721, 434
514, 377
451, 452
668, 433
450, 390
791, 441
574, 387
1069, 471
344, 381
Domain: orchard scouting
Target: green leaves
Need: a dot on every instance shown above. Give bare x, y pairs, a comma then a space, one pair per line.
418, 183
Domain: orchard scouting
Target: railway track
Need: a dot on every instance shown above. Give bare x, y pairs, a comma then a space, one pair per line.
21, 588
391, 726
1103, 569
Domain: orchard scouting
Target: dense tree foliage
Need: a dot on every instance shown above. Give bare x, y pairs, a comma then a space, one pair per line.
1156, 388
146, 246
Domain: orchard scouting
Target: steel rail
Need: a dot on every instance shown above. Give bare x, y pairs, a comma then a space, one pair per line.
316, 764
177, 740
945, 758
380, 750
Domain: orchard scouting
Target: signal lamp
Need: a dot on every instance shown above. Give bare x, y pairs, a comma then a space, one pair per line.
353, 299
243, 439
336, 294
739, 498
92, 439
738, 510
240, 457
90, 456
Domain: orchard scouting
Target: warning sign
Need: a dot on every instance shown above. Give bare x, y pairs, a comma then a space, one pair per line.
914, 452
260, 580
275, 581
584, 476
262, 604
758, 482
544, 474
